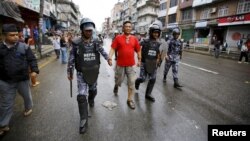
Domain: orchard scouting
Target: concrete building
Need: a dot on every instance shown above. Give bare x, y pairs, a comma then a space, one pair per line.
116, 16
187, 20
173, 15
162, 14
146, 14
67, 15
227, 20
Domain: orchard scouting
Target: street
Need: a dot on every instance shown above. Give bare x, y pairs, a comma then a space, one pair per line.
216, 91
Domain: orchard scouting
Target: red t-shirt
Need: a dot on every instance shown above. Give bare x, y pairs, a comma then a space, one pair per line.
125, 50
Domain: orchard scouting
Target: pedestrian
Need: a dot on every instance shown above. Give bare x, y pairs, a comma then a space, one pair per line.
244, 53
15, 60
126, 44
85, 57
100, 39
173, 57
115, 34
36, 37
217, 45
239, 44
63, 46
26, 33
151, 55
56, 45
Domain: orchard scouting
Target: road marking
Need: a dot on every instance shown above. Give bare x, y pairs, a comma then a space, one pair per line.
199, 68
40, 66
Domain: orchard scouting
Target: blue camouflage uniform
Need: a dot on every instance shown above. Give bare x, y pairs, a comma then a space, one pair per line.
83, 87
174, 52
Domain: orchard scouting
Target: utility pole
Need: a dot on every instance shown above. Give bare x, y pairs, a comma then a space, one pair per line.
40, 28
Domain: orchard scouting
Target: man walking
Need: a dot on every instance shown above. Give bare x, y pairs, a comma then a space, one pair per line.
150, 58
16, 59
125, 45
85, 57
173, 57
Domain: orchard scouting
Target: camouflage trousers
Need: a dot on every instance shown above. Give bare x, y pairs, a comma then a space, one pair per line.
83, 86
175, 66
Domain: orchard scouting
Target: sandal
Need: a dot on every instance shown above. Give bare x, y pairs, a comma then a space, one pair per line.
131, 104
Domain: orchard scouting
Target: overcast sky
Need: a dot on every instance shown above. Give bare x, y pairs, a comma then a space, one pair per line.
97, 10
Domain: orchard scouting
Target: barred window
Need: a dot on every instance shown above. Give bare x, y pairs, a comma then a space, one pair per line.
172, 18
187, 15
173, 3
243, 6
205, 14
223, 11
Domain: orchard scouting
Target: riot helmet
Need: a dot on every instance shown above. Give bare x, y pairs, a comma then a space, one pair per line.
154, 28
87, 24
176, 31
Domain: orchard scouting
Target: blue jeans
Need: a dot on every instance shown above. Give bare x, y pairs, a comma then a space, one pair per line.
7, 98
64, 55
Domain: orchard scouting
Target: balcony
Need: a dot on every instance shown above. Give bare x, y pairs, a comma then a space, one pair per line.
186, 4
141, 3
150, 13
162, 13
197, 3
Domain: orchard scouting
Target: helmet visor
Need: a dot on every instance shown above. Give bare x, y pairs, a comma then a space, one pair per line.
88, 26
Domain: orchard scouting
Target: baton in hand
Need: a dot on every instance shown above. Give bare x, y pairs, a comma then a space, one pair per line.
71, 74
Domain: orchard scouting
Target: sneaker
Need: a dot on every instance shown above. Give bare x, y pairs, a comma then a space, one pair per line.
239, 62
37, 83
27, 112
246, 62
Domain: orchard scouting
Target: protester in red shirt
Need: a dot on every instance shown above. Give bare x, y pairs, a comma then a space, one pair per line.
125, 45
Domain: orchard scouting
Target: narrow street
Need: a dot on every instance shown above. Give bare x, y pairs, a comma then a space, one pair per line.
216, 91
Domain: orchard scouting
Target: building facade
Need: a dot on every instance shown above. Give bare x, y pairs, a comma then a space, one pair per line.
146, 14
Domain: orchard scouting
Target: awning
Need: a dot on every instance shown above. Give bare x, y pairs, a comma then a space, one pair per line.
172, 25
10, 9
201, 24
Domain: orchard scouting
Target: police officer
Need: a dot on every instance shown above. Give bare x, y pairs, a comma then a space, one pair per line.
85, 57
174, 54
150, 59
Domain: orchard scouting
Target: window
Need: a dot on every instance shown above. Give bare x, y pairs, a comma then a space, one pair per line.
243, 6
223, 11
205, 14
187, 15
172, 18
173, 3
163, 6
163, 20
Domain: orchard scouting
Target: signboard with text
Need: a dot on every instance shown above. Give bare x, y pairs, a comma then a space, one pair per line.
234, 20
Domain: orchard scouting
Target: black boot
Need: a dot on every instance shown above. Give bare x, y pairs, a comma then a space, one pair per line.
176, 83
115, 90
149, 89
137, 83
164, 78
92, 94
83, 111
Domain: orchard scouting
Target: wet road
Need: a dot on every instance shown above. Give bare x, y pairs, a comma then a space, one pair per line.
216, 91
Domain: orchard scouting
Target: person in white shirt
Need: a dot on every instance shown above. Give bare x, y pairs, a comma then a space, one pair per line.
244, 53
26, 33
56, 45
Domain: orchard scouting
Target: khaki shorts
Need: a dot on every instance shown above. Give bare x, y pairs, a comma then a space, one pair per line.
120, 73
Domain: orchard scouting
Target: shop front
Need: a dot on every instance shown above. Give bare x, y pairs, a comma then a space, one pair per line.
238, 27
